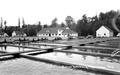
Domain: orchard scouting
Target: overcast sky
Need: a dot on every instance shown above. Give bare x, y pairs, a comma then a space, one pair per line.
46, 10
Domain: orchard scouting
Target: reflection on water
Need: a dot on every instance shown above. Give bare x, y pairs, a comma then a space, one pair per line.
13, 49
83, 59
33, 45
19, 49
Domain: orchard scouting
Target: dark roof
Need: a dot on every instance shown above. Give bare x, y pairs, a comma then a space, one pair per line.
106, 27
54, 30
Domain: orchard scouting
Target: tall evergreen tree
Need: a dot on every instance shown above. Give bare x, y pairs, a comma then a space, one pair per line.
19, 22
4, 27
5, 23
39, 23
39, 27
1, 22
70, 22
54, 22
62, 24
23, 22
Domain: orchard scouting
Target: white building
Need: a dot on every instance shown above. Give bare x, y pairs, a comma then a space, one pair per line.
118, 35
57, 32
18, 34
104, 31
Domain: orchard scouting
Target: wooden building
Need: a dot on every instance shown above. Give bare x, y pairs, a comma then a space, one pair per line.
57, 32
104, 31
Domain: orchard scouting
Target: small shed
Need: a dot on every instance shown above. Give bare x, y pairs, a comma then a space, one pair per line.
104, 31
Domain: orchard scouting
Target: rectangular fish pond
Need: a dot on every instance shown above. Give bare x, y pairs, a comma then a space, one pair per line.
87, 60
27, 66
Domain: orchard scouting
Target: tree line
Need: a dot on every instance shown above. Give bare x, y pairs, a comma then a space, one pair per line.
84, 26
88, 25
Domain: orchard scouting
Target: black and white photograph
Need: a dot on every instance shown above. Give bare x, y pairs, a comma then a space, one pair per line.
59, 37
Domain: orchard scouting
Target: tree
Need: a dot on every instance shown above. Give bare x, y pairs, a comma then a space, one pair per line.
19, 22
23, 22
45, 26
39, 27
83, 26
89, 25
1, 22
5, 22
39, 23
85, 18
54, 22
62, 24
32, 31
70, 22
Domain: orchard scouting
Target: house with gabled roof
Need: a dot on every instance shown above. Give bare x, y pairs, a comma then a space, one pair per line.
57, 32
3, 34
18, 34
104, 31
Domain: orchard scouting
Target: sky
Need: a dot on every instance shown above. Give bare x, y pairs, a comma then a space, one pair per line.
46, 10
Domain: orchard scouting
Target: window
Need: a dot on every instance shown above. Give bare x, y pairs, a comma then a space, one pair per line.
104, 33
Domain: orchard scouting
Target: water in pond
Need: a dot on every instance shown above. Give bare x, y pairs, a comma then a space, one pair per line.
21, 66
36, 45
13, 49
108, 63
